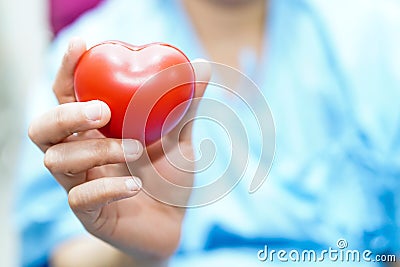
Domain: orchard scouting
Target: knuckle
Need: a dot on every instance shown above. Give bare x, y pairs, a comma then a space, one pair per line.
59, 118
100, 147
54, 158
61, 84
65, 61
50, 159
79, 199
105, 150
32, 134
102, 188
100, 151
57, 162
74, 200
107, 191
55, 88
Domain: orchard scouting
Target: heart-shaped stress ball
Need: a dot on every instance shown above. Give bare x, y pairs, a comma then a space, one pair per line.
148, 88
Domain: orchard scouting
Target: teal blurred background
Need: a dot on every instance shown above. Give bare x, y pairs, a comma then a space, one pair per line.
24, 36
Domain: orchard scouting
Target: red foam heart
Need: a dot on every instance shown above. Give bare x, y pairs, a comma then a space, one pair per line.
148, 88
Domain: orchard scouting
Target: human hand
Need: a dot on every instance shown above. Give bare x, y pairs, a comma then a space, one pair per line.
95, 171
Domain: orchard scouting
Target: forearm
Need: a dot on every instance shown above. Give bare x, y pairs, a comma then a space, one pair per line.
86, 251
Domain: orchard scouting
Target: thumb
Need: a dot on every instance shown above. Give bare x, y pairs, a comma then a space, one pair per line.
202, 70
64, 83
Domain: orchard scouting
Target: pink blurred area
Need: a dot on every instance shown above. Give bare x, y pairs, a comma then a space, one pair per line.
64, 12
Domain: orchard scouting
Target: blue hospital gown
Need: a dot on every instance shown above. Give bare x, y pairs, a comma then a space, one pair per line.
330, 72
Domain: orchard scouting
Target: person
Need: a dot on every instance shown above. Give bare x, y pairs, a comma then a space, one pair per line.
329, 73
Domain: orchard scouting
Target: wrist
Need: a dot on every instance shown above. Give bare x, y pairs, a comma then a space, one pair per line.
86, 250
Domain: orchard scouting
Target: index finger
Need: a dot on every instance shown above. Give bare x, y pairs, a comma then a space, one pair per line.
63, 86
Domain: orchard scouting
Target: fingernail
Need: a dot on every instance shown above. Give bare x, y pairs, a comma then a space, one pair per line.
133, 184
71, 45
72, 42
93, 111
131, 147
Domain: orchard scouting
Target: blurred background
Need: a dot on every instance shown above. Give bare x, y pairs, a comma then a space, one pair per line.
24, 35
26, 29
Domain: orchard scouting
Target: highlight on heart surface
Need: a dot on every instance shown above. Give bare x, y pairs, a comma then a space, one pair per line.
232, 112
113, 71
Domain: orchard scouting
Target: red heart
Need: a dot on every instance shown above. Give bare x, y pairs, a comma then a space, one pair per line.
148, 88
